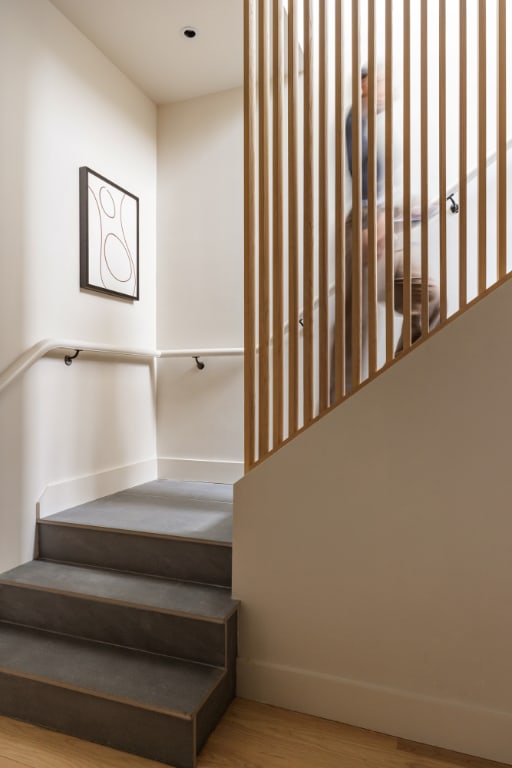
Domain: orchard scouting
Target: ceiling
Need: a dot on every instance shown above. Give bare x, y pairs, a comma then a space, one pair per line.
144, 39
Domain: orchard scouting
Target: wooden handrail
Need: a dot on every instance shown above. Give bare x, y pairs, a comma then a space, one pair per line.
45, 346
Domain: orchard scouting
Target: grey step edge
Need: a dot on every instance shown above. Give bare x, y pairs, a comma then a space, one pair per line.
187, 599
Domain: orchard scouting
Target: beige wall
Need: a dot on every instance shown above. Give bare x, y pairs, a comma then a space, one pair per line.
65, 105
200, 285
372, 553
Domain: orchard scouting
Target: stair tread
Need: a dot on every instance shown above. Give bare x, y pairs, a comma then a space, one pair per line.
204, 601
161, 508
141, 679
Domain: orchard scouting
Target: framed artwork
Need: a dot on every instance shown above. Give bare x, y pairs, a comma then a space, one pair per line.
109, 237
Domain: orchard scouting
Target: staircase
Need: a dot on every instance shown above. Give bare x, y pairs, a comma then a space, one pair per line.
123, 630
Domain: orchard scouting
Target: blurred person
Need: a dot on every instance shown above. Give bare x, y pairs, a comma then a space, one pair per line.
380, 103
416, 280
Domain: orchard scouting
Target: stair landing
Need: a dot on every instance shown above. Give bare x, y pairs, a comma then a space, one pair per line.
163, 528
197, 511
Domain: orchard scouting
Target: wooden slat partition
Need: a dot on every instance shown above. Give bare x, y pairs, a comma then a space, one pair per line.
249, 230
390, 293
277, 224
339, 207
323, 216
372, 190
407, 177
308, 214
264, 227
356, 199
424, 169
442, 161
463, 154
501, 153
482, 146
292, 226
293, 220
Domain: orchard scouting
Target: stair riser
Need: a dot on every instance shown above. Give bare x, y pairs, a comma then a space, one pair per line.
179, 636
141, 732
204, 563
213, 709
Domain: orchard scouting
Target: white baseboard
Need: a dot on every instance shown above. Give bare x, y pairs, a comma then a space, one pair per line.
449, 724
80, 490
200, 470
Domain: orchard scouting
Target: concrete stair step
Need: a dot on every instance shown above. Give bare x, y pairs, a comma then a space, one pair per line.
182, 619
152, 529
150, 705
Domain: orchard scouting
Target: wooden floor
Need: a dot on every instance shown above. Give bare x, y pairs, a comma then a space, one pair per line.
250, 736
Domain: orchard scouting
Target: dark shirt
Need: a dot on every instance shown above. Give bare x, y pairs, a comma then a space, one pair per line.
364, 157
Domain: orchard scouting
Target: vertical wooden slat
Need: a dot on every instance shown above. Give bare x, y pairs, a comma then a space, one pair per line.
249, 230
501, 158
308, 216
390, 294
339, 207
323, 222
372, 193
463, 155
482, 146
406, 330
424, 168
293, 218
356, 198
277, 226
264, 225
442, 161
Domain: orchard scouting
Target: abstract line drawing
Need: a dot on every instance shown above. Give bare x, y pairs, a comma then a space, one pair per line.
109, 237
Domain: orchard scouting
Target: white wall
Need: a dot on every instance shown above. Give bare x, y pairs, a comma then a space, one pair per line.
64, 105
200, 284
372, 553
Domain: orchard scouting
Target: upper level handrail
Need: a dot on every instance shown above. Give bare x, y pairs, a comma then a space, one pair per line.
220, 352
473, 172
45, 346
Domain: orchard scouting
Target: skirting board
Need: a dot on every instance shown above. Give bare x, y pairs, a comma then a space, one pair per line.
59, 496
449, 724
198, 470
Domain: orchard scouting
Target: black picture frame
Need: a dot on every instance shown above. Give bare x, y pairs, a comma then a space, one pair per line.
109, 237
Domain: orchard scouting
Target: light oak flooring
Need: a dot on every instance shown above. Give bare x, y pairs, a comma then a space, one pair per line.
250, 736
